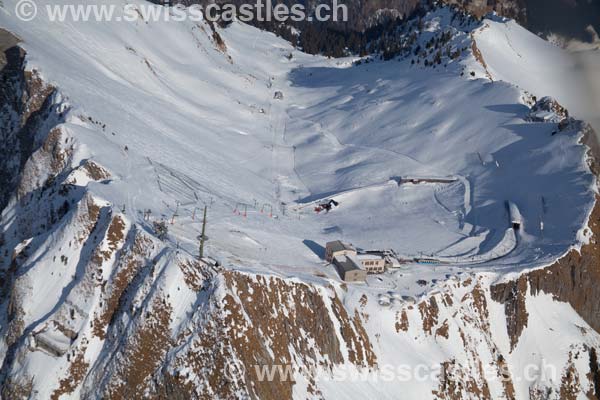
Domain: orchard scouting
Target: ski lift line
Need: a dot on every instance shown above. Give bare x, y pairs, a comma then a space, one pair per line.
269, 207
227, 200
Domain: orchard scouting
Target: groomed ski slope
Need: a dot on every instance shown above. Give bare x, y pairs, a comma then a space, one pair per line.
180, 123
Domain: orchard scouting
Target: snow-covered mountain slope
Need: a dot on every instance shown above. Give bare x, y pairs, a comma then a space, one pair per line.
104, 121
514, 55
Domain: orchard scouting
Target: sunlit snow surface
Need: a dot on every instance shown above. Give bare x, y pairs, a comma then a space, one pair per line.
202, 127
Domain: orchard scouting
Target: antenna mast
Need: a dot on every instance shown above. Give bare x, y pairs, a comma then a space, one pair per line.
203, 236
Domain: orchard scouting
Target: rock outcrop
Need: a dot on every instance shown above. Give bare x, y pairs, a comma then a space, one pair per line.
29, 111
547, 109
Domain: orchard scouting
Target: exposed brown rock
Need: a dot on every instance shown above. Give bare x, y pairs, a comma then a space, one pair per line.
95, 171
594, 375
447, 300
590, 139
442, 331
127, 267
537, 393
505, 377
574, 278
114, 236
75, 374
363, 301
219, 42
269, 322
512, 295
429, 314
448, 388
457, 383
29, 101
17, 389
143, 354
570, 386
479, 57
194, 273
548, 105
355, 336
401, 321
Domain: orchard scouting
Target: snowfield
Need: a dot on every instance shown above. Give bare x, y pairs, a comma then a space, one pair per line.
179, 122
201, 126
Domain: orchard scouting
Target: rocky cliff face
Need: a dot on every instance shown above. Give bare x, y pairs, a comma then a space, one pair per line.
119, 333
28, 111
572, 279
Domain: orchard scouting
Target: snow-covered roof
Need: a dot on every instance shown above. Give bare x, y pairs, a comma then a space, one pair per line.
368, 256
347, 263
338, 245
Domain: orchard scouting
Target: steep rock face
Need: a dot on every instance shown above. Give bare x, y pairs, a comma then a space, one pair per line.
513, 295
33, 153
572, 279
28, 113
117, 330
477, 361
594, 375
256, 322
239, 324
